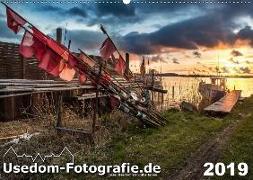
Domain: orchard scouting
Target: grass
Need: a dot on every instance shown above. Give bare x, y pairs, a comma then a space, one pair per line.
240, 146
169, 146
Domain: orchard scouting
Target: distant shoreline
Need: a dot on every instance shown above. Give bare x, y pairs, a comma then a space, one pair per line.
205, 76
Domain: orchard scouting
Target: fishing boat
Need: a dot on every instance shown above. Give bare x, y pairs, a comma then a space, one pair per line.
213, 91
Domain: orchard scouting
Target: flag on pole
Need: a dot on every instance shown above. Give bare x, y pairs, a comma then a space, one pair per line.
14, 21
61, 57
55, 46
107, 48
26, 46
67, 73
31, 46
39, 49
54, 58
120, 66
82, 78
50, 62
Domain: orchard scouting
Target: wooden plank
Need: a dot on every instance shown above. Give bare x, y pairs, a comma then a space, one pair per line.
35, 85
46, 89
90, 96
15, 95
21, 87
64, 88
225, 104
24, 85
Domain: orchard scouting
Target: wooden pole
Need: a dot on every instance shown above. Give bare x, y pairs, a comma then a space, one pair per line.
173, 92
59, 108
95, 111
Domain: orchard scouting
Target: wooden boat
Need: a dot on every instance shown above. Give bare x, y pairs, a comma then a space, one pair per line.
225, 104
213, 91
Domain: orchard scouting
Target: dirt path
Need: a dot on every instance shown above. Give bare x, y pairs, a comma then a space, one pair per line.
208, 152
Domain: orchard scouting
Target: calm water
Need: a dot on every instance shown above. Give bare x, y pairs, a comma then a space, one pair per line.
186, 88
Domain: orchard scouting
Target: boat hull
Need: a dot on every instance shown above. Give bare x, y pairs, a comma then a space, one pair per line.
211, 92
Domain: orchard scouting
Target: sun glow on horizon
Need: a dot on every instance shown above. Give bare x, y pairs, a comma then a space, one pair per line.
227, 60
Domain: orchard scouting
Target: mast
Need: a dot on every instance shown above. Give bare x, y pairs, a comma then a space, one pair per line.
218, 69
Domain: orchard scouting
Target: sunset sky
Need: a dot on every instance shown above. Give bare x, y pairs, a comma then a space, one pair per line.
181, 38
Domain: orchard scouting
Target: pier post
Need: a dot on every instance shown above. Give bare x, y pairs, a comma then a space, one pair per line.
173, 92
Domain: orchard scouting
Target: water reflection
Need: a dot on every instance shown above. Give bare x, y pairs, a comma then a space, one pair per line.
186, 88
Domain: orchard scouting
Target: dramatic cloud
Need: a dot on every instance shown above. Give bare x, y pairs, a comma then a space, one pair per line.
86, 40
173, 28
175, 61
242, 70
249, 62
197, 54
48, 8
189, 34
224, 70
245, 70
75, 11
157, 58
237, 70
246, 34
117, 9
236, 53
216, 27
233, 61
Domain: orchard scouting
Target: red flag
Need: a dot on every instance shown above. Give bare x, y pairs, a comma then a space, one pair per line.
87, 60
62, 51
67, 73
39, 49
55, 46
50, 62
82, 78
39, 35
26, 46
51, 54
14, 21
107, 48
120, 66
31, 45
